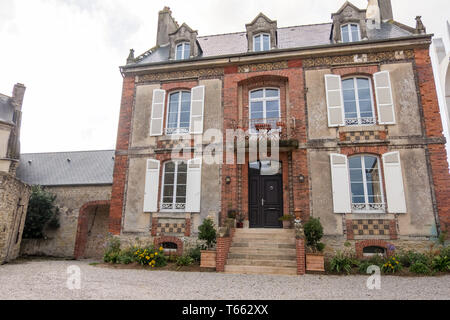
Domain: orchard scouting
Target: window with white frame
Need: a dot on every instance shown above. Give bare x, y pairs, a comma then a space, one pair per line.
350, 33
183, 51
174, 186
366, 184
358, 101
264, 108
261, 42
179, 113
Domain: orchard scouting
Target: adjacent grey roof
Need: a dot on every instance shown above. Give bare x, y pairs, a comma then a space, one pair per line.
290, 37
6, 109
67, 168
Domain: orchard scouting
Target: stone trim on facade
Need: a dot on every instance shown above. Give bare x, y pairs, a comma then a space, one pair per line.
360, 245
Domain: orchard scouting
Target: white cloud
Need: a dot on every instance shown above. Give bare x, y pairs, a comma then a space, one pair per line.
67, 53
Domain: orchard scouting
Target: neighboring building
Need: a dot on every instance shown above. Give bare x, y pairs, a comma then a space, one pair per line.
14, 194
361, 136
444, 72
82, 183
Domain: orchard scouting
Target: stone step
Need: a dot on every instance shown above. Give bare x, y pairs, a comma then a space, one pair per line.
263, 263
257, 236
263, 245
265, 251
260, 270
265, 231
258, 256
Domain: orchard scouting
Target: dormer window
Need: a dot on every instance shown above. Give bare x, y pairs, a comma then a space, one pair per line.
350, 33
183, 51
261, 42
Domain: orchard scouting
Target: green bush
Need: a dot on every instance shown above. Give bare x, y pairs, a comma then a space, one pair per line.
195, 253
126, 256
42, 212
343, 262
420, 268
184, 261
150, 256
407, 259
207, 232
441, 263
313, 233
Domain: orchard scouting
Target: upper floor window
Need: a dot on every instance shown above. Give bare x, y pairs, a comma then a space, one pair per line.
179, 113
174, 186
350, 33
264, 107
261, 42
366, 185
358, 101
183, 51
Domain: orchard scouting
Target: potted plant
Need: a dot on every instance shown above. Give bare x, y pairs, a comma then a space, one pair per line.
232, 217
287, 221
263, 126
207, 232
240, 221
315, 260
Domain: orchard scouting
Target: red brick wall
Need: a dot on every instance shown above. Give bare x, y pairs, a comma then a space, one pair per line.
301, 256
360, 245
222, 250
433, 129
121, 161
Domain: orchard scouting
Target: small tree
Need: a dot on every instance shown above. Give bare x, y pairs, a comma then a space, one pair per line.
313, 234
42, 212
207, 232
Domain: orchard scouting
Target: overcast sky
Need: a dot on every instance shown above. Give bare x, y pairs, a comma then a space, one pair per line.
67, 53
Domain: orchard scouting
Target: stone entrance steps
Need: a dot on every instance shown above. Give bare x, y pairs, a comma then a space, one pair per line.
262, 251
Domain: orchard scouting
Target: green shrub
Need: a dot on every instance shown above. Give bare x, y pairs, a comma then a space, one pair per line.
184, 261
313, 234
441, 263
150, 256
195, 253
392, 265
343, 262
126, 256
112, 252
42, 212
420, 268
207, 232
407, 259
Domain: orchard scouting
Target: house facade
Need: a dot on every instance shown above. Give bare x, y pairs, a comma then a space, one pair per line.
351, 111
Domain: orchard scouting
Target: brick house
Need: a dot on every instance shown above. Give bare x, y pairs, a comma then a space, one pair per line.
353, 102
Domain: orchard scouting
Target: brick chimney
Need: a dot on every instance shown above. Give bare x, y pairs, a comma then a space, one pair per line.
386, 10
166, 26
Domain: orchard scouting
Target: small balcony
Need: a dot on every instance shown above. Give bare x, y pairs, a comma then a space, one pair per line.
369, 207
361, 122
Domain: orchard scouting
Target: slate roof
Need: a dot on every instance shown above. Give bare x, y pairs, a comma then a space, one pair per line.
55, 169
6, 109
288, 38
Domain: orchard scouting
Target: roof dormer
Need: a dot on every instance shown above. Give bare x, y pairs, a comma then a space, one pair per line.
261, 34
183, 43
349, 24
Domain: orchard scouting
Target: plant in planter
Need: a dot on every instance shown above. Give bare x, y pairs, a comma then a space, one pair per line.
232, 218
240, 221
287, 221
314, 254
207, 232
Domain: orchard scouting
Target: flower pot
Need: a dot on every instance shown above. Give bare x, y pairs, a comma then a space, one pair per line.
239, 225
208, 259
287, 224
315, 262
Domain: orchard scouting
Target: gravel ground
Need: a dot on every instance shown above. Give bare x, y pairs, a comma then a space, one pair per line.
47, 279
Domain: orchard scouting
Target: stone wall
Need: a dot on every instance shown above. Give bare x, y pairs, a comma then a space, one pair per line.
61, 242
14, 196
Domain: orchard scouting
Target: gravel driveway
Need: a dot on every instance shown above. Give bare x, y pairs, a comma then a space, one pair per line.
45, 279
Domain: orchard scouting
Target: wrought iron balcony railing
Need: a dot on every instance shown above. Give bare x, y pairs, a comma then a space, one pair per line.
369, 207
361, 122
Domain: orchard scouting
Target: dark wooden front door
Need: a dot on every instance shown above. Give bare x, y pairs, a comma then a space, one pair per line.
265, 199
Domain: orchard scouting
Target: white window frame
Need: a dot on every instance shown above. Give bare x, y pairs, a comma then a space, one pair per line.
183, 51
264, 100
382, 205
177, 130
358, 108
350, 36
261, 46
175, 185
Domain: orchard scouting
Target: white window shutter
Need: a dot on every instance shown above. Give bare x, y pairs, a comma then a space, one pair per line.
157, 118
385, 100
335, 100
393, 177
341, 183
197, 109
194, 185
151, 186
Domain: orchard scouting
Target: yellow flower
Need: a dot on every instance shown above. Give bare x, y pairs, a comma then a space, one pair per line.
147, 257
152, 255
161, 248
156, 253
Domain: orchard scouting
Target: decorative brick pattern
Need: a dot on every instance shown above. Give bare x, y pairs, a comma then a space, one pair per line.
371, 227
159, 242
362, 136
170, 228
301, 256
